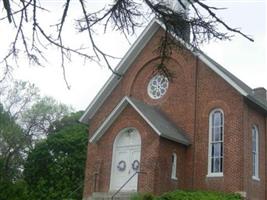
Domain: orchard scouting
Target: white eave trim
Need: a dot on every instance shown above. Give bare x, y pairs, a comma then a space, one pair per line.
121, 68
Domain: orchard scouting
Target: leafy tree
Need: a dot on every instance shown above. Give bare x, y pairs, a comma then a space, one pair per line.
39, 119
55, 167
13, 190
120, 15
12, 153
34, 114
17, 96
25, 117
13, 143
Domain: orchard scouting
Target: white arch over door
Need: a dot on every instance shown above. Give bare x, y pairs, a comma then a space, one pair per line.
125, 159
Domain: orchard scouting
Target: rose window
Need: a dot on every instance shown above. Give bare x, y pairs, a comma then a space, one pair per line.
157, 86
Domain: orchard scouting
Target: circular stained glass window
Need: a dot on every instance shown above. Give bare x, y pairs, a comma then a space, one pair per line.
157, 86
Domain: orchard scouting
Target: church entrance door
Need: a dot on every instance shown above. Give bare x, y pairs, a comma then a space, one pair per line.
126, 160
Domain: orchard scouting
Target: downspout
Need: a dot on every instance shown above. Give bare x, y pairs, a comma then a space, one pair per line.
195, 122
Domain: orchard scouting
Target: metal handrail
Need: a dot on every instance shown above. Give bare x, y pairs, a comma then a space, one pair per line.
137, 172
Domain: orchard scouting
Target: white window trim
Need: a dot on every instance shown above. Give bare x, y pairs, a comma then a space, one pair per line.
174, 167
256, 176
214, 174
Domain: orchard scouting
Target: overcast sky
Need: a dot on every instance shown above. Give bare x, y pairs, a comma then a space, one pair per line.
245, 59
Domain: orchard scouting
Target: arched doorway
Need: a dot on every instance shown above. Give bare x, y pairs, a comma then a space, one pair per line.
125, 160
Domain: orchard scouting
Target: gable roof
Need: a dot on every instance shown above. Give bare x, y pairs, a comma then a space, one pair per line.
134, 51
162, 126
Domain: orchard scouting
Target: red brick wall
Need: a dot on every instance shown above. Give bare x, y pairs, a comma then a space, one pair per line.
102, 153
193, 93
213, 92
134, 83
164, 182
255, 189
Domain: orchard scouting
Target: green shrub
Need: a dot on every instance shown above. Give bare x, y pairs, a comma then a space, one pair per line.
148, 196
136, 196
198, 195
145, 196
189, 195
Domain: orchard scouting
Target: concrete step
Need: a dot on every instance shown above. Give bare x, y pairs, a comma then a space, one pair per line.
108, 195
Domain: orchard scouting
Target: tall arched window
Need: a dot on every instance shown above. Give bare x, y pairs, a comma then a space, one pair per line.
255, 152
216, 135
174, 166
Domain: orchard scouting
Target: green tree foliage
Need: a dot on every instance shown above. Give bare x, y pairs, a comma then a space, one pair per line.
12, 153
13, 190
25, 118
55, 167
13, 143
38, 121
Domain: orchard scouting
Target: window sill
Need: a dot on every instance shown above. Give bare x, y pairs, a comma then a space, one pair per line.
255, 178
215, 175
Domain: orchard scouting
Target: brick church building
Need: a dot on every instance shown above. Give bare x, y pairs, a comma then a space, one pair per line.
204, 129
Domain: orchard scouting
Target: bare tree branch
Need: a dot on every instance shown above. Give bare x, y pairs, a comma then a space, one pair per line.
63, 18
96, 50
209, 10
124, 16
8, 10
